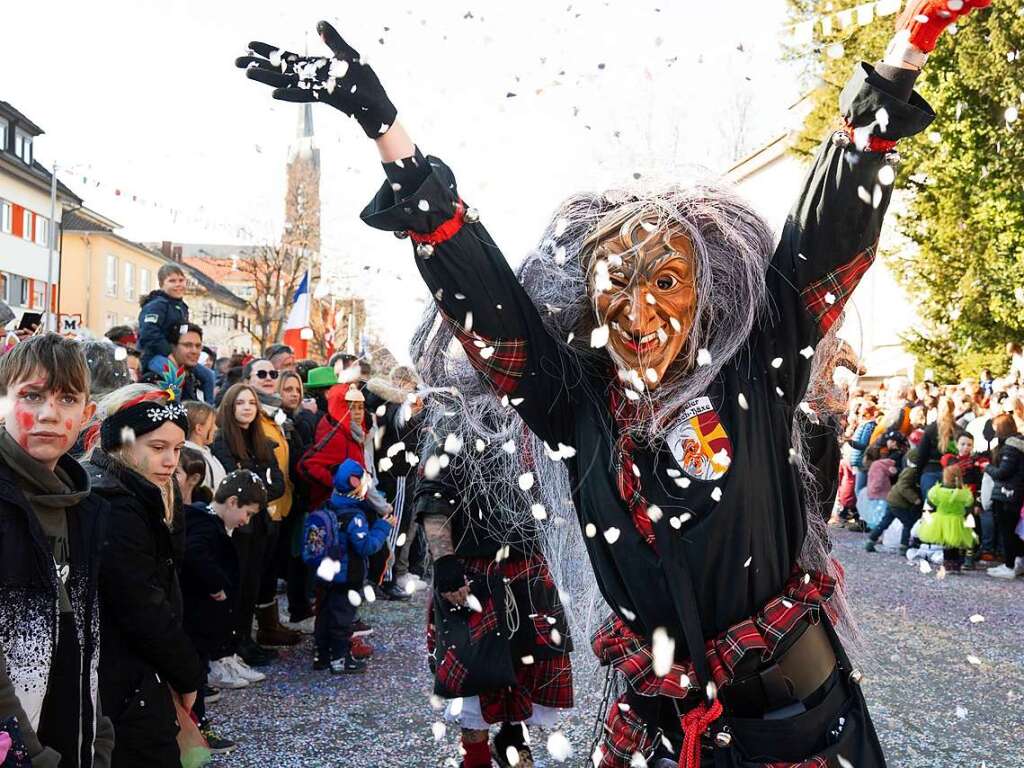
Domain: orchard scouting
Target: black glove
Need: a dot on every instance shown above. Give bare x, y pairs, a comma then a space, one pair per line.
449, 575
344, 81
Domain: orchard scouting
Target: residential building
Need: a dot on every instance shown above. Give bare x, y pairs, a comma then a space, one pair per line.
106, 275
25, 222
879, 312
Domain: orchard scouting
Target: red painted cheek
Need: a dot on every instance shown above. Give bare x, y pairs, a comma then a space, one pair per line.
26, 420
69, 424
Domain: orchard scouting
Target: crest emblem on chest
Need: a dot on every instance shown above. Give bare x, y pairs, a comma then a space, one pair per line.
699, 442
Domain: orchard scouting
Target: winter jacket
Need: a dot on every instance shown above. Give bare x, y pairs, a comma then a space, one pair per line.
859, 443
336, 441
160, 320
1008, 472
880, 475
31, 679
144, 647
210, 566
906, 491
929, 450
277, 434
270, 473
341, 531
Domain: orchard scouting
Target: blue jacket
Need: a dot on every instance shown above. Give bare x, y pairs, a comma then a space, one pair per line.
160, 320
859, 443
340, 530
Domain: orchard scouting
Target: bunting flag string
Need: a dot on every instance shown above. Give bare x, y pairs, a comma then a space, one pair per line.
839, 21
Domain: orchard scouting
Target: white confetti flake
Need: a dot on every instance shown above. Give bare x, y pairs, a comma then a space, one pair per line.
977, 618
651, 375
961, 712
467, 324
328, 569
120, 353
280, 417
338, 68
473, 603
777, 363
400, 541
973, 660
509, 446
538, 512
423, 205
675, 522
599, 336
925, 567
611, 535
438, 729
385, 464
627, 614
703, 357
556, 637
683, 482
486, 353
638, 760
368, 594
559, 747
672, 472
876, 196
560, 255
807, 352
830, 298
527, 660
654, 513
526, 481
742, 399
747, 563
602, 281
512, 755
432, 467
675, 324
597, 756
716, 494
663, 651
864, 195
1011, 114
590, 530
560, 226
886, 175
354, 598
835, 51
452, 443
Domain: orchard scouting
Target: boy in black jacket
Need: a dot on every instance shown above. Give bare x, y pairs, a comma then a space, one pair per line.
162, 320
209, 574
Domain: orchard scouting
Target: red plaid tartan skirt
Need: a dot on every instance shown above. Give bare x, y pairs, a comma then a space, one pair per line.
804, 597
540, 647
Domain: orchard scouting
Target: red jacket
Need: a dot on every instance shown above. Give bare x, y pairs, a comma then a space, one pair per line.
333, 444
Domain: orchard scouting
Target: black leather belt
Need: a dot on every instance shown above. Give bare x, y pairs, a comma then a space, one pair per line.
787, 681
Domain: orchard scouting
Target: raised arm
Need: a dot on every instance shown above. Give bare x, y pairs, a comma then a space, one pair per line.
489, 311
831, 234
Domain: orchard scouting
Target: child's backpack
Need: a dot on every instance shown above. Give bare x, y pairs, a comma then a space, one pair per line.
320, 535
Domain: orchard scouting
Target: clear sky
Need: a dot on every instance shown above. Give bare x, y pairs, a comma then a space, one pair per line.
142, 96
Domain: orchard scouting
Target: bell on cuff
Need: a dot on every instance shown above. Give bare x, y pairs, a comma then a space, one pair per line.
401, 234
893, 158
841, 139
424, 250
472, 216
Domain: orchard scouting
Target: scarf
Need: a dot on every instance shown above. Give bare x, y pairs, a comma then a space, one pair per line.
50, 494
625, 413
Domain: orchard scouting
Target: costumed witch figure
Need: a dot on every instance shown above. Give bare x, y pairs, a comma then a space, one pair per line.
497, 636
660, 344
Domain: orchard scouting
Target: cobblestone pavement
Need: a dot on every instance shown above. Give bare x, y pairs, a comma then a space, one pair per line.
945, 691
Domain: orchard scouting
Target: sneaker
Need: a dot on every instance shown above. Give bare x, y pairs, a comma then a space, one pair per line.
305, 626
869, 546
1003, 572
211, 694
410, 582
245, 671
361, 629
360, 649
224, 675
392, 591
217, 745
347, 666
321, 662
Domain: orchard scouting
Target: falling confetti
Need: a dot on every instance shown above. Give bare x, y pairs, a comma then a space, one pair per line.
538, 512
977, 618
559, 747
599, 336
663, 650
611, 535
328, 569
703, 357
590, 530
973, 660
526, 481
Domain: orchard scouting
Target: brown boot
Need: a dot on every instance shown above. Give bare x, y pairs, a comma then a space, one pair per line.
270, 631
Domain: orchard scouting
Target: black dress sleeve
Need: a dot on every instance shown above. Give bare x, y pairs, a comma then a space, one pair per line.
830, 237
491, 314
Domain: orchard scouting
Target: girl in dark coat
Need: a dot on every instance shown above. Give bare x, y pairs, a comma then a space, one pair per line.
1007, 470
241, 444
145, 656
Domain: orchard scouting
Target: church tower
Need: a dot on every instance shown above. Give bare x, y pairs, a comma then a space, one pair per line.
302, 198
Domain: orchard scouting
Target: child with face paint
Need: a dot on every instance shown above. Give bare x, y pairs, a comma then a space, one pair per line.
659, 344
50, 538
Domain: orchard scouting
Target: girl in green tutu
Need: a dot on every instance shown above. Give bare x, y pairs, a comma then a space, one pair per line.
946, 525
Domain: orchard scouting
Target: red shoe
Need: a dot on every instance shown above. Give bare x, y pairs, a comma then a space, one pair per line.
360, 649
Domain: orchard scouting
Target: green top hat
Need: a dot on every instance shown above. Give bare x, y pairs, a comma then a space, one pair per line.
321, 378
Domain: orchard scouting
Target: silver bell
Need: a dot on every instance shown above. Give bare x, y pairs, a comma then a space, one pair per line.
401, 234
857, 676
472, 215
424, 250
893, 158
723, 739
841, 139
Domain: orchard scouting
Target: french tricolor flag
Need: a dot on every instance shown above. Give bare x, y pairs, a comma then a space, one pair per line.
297, 332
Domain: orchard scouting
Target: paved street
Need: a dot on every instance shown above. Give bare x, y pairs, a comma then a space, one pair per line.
932, 706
